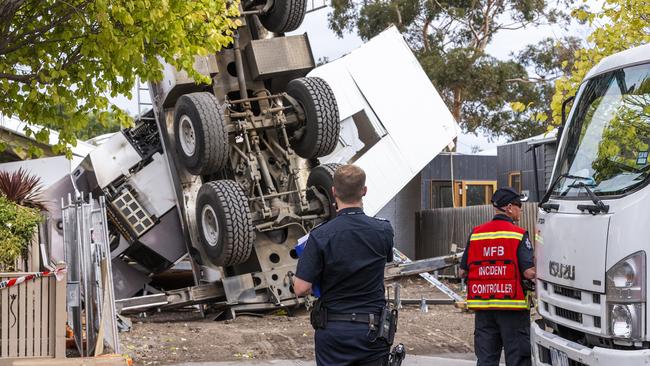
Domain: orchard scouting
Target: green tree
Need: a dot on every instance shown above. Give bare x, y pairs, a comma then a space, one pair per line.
450, 38
61, 60
96, 128
546, 61
620, 24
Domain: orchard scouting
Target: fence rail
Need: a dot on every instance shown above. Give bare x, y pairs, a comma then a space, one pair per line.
32, 318
436, 230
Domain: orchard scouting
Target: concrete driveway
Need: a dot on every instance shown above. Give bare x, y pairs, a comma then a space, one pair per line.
410, 360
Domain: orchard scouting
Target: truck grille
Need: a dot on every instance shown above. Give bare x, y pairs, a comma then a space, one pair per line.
567, 292
545, 357
568, 314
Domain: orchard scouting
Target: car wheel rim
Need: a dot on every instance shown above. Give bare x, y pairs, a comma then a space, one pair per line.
210, 226
187, 136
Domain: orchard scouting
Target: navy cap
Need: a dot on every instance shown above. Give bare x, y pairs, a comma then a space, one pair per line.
503, 196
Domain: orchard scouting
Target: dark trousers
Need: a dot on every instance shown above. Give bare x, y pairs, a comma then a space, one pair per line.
495, 330
346, 343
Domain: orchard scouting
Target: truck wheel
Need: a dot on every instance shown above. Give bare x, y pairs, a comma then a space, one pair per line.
320, 131
285, 15
322, 178
200, 133
224, 222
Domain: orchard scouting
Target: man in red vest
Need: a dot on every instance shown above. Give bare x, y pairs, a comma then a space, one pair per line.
498, 259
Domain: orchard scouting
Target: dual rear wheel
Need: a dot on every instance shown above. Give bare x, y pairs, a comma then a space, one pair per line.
223, 213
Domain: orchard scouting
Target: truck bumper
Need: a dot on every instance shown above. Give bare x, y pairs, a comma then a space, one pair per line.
542, 342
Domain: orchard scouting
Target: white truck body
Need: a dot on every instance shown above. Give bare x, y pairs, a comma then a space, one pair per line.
381, 130
591, 266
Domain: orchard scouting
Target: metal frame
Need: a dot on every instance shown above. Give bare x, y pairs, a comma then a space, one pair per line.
521, 182
91, 301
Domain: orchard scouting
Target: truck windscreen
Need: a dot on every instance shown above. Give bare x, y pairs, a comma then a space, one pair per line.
607, 139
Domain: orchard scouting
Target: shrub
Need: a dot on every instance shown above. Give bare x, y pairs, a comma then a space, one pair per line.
17, 227
22, 188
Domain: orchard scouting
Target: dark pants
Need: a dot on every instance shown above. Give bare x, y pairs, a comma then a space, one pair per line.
502, 329
346, 343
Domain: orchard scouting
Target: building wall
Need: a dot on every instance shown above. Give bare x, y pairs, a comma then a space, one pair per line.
400, 211
515, 157
466, 167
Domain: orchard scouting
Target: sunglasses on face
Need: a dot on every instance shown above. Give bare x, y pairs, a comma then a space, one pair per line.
518, 204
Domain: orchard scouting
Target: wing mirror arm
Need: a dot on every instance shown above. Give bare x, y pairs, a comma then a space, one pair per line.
564, 115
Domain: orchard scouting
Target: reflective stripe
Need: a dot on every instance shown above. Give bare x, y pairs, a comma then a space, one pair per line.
519, 304
497, 235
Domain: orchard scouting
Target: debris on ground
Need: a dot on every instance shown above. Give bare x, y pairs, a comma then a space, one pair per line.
175, 337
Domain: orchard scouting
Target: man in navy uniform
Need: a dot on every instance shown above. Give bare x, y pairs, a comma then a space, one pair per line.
346, 257
497, 261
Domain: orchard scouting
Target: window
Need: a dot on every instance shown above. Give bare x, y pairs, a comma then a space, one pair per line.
464, 193
607, 141
514, 181
474, 193
441, 196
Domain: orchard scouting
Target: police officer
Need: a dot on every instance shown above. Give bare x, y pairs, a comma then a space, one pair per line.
346, 257
497, 261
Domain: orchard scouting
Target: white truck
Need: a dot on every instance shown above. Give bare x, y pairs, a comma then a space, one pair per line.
593, 229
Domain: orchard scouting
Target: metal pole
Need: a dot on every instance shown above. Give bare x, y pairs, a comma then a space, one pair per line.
239, 66
453, 186
107, 253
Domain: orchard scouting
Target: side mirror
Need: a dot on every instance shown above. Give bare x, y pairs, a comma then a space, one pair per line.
561, 128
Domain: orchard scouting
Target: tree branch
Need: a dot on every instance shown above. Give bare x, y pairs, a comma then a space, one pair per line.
533, 80
19, 78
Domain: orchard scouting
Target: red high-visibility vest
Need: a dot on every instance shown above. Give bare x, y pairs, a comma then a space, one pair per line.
494, 281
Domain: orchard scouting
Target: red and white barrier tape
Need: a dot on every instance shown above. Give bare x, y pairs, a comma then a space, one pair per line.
58, 273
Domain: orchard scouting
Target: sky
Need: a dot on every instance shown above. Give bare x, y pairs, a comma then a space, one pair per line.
325, 44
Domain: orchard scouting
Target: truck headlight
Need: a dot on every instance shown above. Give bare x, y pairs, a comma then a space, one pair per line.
626, 294
625, 320
626, 279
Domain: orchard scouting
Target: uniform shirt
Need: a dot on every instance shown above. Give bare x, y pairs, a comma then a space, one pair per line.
525, 252
347, 256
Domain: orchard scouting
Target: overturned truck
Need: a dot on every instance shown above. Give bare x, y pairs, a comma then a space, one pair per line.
230, 174
218, 171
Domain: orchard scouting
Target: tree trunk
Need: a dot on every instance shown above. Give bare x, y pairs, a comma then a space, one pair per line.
458, 103
425, 35
399, 15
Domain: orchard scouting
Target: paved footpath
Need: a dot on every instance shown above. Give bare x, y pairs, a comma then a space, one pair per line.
410, 360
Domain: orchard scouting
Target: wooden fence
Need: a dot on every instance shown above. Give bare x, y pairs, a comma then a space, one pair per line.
33, 318
436, 230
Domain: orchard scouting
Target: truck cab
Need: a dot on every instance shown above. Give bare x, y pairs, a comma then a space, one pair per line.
594, 226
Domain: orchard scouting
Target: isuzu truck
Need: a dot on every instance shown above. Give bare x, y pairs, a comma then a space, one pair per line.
593, 234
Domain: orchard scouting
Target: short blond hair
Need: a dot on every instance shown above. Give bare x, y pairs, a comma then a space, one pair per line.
349, 182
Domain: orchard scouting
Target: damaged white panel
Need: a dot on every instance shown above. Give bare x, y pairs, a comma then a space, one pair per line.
49, 170
403, 122
349, 100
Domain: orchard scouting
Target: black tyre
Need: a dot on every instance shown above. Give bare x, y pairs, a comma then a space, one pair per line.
322, 178
225, 224
200, 133
285, 15
320, 132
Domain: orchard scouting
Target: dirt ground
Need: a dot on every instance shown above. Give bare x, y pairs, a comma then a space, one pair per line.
174, 337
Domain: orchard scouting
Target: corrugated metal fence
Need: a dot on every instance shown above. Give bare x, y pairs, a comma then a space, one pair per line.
436, 230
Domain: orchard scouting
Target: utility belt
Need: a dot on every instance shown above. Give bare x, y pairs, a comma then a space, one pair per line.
384, 325
370, 319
